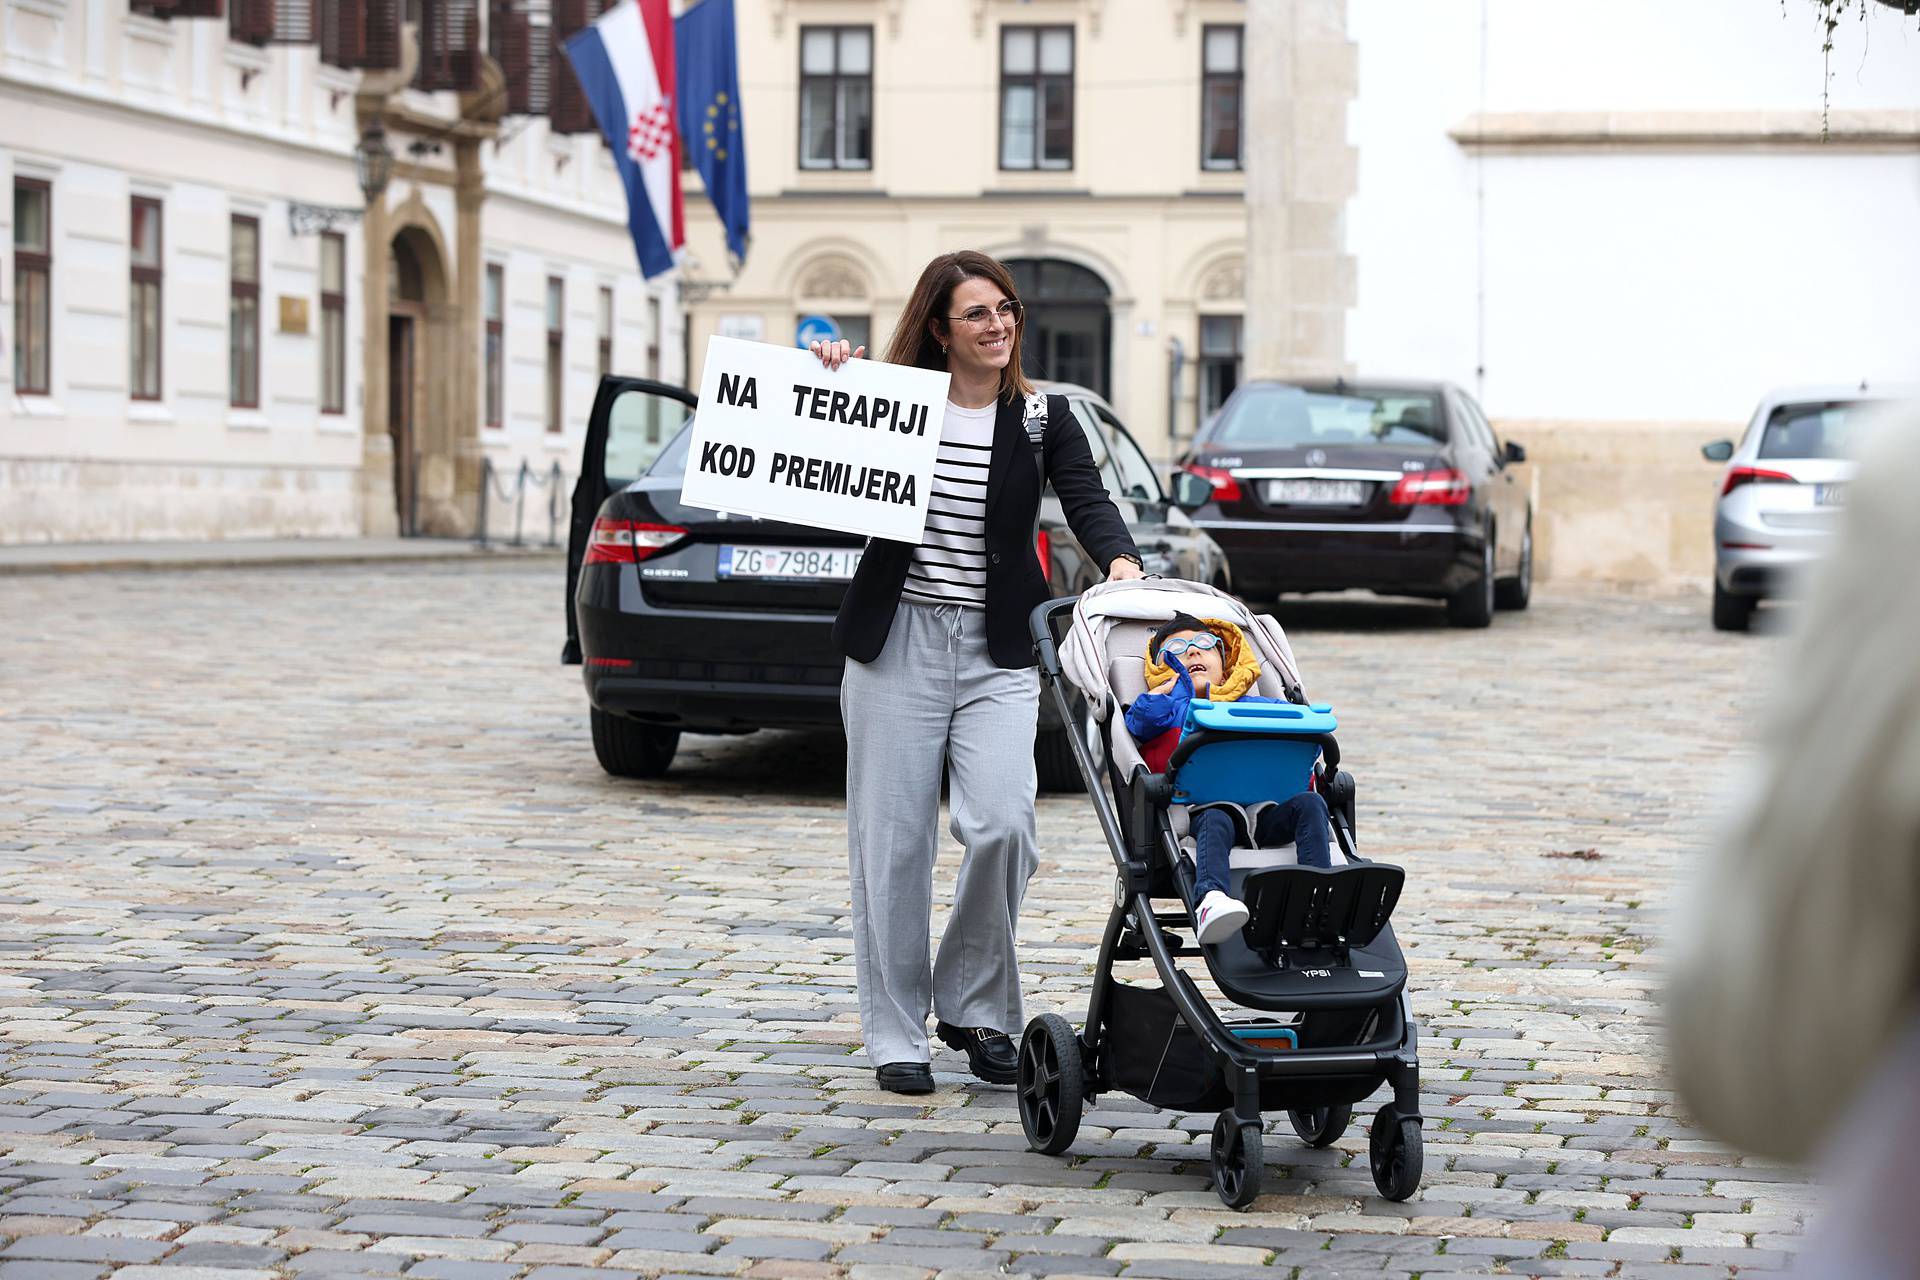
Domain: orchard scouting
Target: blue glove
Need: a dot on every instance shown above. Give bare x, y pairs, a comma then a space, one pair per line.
1152, 714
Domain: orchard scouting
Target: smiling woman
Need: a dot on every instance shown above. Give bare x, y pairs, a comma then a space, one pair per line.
939, 680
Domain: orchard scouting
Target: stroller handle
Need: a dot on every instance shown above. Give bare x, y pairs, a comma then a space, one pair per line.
1046, 645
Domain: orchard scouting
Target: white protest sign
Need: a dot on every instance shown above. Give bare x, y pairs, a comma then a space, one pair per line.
779, 435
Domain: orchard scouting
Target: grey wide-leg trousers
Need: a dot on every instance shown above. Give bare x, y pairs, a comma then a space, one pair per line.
934, 697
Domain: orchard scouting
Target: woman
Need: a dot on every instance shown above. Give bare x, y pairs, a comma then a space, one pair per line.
940, 673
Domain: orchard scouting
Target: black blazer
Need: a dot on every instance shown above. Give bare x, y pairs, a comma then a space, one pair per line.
1014, 581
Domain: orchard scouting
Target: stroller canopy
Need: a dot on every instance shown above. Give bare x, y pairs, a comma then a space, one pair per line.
1104, 651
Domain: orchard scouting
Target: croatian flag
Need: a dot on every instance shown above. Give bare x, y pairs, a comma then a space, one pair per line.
625, 64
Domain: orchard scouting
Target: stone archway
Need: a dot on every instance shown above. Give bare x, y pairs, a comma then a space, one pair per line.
835, 286
416, 340
1069, 322
414, 477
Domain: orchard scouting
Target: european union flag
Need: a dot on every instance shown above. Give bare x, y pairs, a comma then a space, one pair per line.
709, 75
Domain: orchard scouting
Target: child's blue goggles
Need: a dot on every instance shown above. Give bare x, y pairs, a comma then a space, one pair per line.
1180, 644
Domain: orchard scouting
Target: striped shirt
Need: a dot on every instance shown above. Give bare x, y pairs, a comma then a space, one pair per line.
950, 564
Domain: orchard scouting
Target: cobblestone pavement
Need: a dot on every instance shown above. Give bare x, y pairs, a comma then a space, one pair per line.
326, 949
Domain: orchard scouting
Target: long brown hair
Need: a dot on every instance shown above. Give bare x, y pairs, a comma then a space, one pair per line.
914, 342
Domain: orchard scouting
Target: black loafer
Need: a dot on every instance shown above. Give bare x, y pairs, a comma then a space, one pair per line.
905, 1077
990, 1054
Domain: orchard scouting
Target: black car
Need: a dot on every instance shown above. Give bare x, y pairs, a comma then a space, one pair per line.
645, 573
1400, 488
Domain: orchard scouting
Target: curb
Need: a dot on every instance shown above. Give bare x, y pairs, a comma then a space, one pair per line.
163, 564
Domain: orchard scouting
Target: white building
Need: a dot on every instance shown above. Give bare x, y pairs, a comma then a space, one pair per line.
1620, 223
192, 358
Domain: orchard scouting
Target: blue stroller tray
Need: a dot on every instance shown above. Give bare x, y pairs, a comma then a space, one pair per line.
1246, 752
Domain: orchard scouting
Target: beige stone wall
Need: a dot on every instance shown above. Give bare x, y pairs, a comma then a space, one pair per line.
1302, 74
1167, 236
1626, 503
116, 500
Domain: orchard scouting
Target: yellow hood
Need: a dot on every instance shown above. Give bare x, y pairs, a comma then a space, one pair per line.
1237, 659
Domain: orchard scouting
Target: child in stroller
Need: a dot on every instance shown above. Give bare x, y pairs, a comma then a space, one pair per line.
1189, 658
1309, 1011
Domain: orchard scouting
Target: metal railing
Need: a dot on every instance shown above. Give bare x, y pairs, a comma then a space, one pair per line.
491, 485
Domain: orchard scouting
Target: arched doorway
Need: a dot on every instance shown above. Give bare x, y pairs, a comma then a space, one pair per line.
1069, 322
417, 320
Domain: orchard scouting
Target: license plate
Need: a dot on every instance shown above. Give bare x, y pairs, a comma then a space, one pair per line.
1828, 495
1324, 493
805, 564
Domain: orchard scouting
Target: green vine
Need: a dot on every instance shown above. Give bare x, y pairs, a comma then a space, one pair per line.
1830, 12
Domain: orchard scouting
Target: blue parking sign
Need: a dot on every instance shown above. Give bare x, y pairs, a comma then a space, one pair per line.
812, 329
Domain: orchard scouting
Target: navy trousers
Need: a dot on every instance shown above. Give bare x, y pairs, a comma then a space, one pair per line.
1301, 821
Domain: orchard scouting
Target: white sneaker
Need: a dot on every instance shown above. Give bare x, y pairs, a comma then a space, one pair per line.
1219, 917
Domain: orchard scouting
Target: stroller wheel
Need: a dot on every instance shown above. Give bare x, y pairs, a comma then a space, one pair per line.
1051, 1085
1393, 1149
1237, 1163
1319, 1126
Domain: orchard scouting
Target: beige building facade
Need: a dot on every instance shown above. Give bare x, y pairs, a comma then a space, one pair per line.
1097, 146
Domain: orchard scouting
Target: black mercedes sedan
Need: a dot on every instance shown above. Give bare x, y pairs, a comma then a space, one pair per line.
1400, 488
690, 620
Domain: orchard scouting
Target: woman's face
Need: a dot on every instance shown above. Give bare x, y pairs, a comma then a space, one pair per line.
972, 348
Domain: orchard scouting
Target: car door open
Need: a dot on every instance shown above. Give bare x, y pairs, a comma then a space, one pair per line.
632, 420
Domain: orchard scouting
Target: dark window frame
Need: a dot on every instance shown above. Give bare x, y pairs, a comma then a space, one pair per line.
494, 353
604, 335
138, 277
1205, 361
28, 262
556, 354
333, 382
239, 290
1037, 81
834, 79
1238, 79
656, 321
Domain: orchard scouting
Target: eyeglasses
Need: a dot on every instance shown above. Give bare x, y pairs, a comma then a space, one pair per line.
1180, 644
1008, 311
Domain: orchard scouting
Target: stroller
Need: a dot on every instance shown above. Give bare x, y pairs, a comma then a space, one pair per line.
1316, 949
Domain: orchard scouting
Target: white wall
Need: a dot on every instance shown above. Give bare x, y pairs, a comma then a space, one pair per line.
1628, 283
104, 106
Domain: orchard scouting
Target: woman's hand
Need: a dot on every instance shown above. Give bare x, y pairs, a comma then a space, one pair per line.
835, 354
1123, 569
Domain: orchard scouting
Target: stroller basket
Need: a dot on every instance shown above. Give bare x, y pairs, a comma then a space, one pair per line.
1160, 1060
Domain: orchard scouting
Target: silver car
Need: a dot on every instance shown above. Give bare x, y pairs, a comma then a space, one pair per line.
1781, 496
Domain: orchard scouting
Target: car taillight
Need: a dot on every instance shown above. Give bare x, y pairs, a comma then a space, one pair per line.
1043, 547
628, 541
1225, 487
1737, 476
1443, 488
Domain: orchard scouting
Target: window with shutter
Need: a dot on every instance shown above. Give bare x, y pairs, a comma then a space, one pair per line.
293, 22
360, 33
449, 45
250, 21
153, 8
520, 37
196, 9
569, 112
